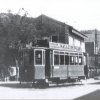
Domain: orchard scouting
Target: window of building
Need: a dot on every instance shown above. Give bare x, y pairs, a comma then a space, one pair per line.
76, 42
54, 38
83, 46
71, 40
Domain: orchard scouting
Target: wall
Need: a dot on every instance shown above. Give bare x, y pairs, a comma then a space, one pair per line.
90, 48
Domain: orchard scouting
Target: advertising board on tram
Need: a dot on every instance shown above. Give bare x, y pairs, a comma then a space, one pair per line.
62, 46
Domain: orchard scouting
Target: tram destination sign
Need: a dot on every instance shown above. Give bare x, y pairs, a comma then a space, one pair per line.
62, 46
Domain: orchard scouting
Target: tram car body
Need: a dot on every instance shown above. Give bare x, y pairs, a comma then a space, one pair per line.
56, 63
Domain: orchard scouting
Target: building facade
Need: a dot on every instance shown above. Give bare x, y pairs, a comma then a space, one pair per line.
92, 45
56, 31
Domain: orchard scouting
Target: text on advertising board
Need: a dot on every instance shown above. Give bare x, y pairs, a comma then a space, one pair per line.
63, 46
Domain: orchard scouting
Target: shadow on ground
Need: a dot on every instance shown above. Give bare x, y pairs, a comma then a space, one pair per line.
95, 83
24, 86
91, 96
15, 85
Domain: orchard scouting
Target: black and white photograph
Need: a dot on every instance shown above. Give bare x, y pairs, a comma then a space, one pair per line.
50, 49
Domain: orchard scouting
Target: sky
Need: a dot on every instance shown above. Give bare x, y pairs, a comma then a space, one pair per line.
81, 14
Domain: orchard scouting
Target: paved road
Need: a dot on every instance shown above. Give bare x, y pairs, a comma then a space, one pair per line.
94, 95
91, 96
89, 90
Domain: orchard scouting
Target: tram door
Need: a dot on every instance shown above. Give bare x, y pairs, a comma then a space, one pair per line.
39, 64
86, 64
47, 63
26, 61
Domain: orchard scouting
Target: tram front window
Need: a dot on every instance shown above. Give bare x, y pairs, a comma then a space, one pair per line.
38, 57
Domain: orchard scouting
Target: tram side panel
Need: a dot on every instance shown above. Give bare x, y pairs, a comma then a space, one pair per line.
59, 69
67, 65
76, 67
75, 71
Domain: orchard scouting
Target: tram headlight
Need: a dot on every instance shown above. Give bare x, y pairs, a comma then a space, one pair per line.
46, 80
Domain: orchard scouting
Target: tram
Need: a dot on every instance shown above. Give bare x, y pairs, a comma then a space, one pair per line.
56, 62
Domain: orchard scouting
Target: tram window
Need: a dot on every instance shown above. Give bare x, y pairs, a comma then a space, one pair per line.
56, 59
66, 60
72, 60
61, 59
80, 60
38, 57
76, 60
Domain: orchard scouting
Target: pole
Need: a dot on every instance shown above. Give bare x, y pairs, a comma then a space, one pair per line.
96, 46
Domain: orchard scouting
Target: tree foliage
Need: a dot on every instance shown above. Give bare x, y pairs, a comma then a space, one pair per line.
16, 31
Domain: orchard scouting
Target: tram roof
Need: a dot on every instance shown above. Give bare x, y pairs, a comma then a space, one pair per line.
47, 48
34, 47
